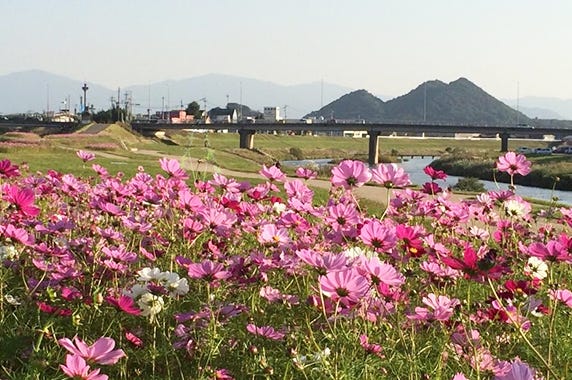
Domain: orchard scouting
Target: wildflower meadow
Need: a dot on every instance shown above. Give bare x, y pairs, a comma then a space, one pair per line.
165, 277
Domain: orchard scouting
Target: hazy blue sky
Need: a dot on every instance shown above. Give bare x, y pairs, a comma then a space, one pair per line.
386, 47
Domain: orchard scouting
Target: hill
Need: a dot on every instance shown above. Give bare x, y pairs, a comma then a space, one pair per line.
460, 101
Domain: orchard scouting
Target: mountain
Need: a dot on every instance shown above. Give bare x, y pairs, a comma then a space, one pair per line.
36, 90
558, 108
216, 90
29, 91
356, 105
460, 101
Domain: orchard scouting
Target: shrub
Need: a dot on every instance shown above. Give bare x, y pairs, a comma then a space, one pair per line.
469, 184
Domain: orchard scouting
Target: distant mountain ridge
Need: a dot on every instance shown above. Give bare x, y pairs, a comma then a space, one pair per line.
459, 101
29, 91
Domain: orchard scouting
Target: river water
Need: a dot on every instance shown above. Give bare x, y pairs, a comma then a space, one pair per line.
414, 167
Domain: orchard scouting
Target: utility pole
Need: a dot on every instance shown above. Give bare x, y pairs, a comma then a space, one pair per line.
425, 102
85, 88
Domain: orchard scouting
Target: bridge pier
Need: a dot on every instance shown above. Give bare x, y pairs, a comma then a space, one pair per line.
504, 141
246, 138
373, 151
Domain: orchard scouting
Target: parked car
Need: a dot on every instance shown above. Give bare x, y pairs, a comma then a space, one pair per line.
524, 150
544, 151
563, 149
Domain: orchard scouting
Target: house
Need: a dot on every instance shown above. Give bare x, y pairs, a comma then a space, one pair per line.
181, 117
223, 115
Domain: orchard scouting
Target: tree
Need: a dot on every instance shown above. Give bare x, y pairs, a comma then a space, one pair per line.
194, 109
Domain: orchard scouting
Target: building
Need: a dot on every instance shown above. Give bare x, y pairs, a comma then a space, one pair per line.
223, 115
272, 114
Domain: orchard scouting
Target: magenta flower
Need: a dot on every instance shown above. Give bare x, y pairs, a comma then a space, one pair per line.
512, 163
21, 199
265, 331
85, 156
173, 168
124, 303
350, 174
7, 170
390, 175
377, 235
346, 286
434, 174
77, 368
101, 352
371, 348
273, 173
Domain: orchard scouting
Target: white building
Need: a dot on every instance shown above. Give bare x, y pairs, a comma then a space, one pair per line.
272, 114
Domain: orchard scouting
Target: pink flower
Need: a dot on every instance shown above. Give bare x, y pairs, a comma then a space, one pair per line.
306, 173
390, 175
21, 199
173, 168
350, 174
562, 295
77, 368
441, 308
207, 270
378, 236
434, 174
512, 163
101, 352
133, 339
371, 348
124, 303
346, 286
518, 371
85, 156
380, 272
8, 170
265, 331
273, 173
270, 234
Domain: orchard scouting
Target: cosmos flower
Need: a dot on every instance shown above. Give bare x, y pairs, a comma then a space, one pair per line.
273, 173
85, 156
8, 170
350, 174
101, 352
346, 286
265, 331
173, 168
22, 199
512, 163
390, 175
76, 367
434, 174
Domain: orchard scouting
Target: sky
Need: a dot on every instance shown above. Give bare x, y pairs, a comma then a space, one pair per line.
509, 48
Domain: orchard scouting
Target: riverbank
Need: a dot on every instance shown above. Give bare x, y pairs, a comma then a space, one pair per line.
548, 172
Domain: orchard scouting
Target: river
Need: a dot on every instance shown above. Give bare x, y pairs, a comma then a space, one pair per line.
414, 167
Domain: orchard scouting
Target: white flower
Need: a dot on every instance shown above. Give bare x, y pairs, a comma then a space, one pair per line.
149, 274
515, 208
14, 301
136, 291
278, 207
175, 285
150, 304
8, 252
536, 268
355, 252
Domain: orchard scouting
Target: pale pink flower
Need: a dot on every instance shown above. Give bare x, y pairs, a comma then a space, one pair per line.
271, 234
512, 163
441, 308
207, 270
173, 168
85, 156
380, 272
562, 295
371, 348
77, 368
390, 175
273, 173
350, 174
518, 371
306, 173
101, 352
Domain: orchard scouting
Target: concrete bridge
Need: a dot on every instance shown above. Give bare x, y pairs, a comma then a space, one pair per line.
246, 132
